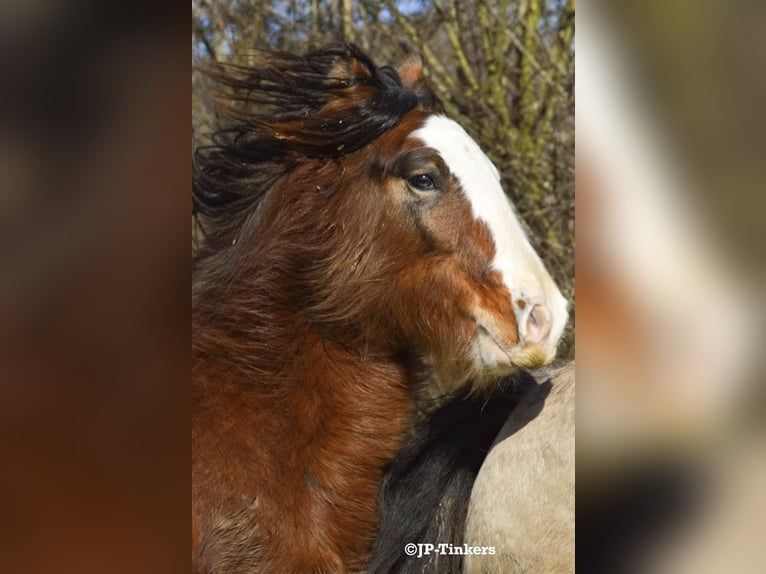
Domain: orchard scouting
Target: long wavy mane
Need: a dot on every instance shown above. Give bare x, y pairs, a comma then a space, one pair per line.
287, 109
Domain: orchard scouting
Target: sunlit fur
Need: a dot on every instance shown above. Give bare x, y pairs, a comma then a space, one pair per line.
523, 500
521, 269
330, 299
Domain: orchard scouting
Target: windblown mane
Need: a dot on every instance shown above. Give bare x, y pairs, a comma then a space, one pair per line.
291, 108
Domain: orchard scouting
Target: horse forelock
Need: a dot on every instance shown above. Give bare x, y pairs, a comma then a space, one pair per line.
282, 112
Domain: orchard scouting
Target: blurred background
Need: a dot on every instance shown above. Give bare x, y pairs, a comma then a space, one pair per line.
94, 287
94, 266
670, 269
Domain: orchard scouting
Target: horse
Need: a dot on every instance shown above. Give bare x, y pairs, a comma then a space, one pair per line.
522, 503
358, 259
425, 489
493, 473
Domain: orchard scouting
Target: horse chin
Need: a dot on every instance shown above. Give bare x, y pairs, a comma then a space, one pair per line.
533, 357
495, 360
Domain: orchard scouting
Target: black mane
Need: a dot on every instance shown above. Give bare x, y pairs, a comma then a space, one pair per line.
426, 489
289, 108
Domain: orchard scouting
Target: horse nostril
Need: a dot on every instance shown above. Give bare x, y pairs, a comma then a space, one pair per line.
538, 325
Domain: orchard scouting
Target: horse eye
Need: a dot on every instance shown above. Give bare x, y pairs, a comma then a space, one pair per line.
422, 182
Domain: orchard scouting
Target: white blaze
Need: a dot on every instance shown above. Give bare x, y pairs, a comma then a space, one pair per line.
521, 268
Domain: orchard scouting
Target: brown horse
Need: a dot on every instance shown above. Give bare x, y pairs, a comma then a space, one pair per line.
359, 256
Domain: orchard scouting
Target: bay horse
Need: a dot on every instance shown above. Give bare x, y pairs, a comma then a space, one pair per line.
359, 258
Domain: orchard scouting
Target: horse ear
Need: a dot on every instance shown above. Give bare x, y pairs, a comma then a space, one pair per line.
411, 70
411, 73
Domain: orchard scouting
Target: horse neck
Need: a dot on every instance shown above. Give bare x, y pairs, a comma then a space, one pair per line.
340, 418
251, 321
262, 339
